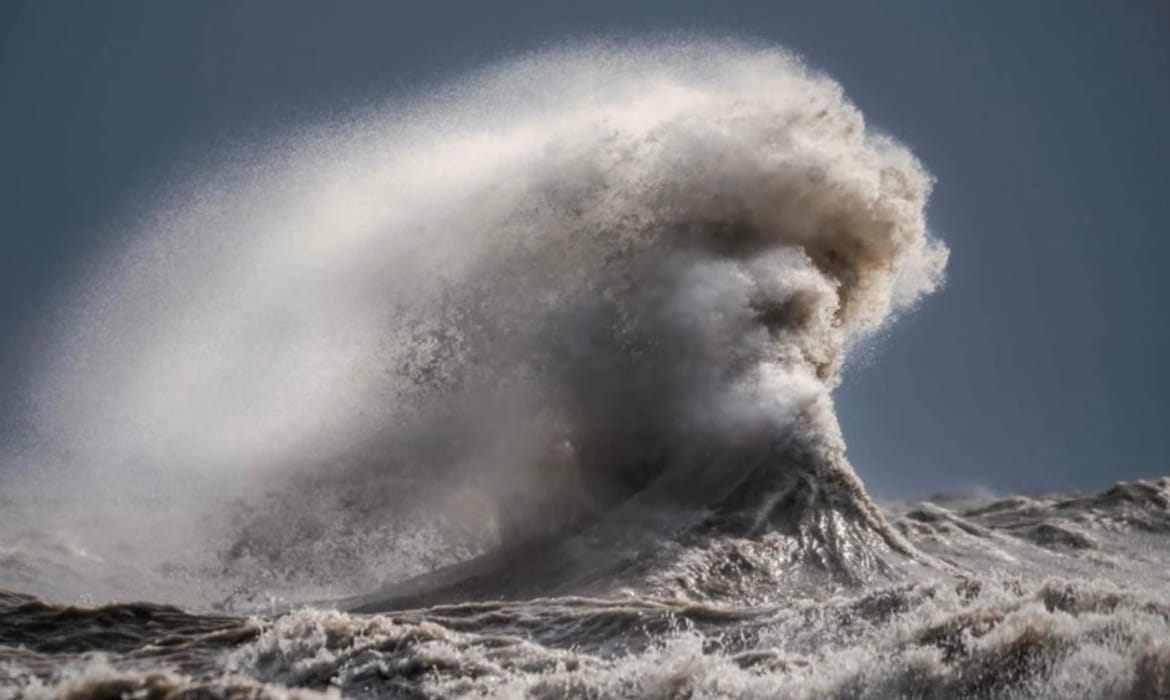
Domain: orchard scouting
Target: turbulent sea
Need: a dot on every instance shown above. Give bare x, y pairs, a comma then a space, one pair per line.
523, 387
1045, 597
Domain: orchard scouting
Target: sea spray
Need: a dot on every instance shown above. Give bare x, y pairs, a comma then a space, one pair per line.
607, 279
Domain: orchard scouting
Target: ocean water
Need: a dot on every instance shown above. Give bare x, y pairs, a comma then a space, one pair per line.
1043, 597
523, 387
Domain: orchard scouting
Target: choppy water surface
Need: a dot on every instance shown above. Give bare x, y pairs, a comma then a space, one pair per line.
1045, 597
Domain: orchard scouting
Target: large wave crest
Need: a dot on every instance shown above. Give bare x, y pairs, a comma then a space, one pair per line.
580, 285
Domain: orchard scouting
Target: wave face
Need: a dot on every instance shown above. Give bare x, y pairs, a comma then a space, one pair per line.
611, 287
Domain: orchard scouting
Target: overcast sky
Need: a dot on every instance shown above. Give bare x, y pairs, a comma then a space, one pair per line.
1042, 364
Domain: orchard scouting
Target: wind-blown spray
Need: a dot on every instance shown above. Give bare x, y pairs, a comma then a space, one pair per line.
578, 286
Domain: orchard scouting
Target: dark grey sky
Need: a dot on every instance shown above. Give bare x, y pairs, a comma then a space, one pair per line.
1043, 364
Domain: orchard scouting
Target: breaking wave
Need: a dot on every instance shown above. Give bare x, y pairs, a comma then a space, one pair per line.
581, 312
527, 387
